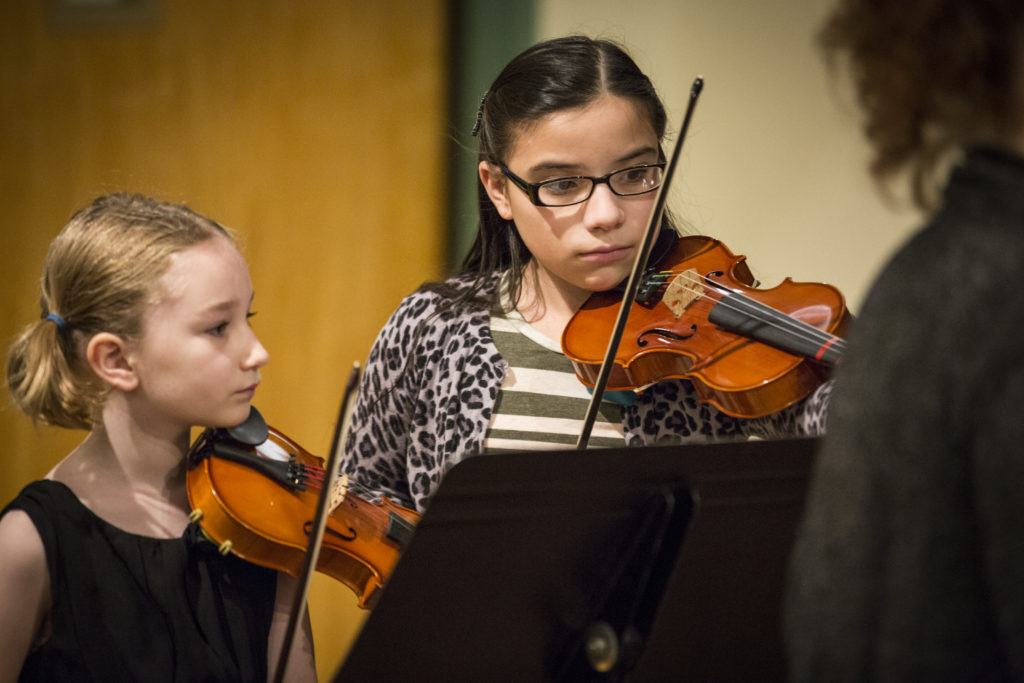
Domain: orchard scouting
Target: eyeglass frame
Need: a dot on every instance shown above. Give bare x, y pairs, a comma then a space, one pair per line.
531, 189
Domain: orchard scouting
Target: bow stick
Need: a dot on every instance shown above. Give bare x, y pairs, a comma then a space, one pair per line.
643, 254
319, 525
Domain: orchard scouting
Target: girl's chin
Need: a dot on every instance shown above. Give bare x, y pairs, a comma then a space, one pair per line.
576, 285
605, 281
231, 418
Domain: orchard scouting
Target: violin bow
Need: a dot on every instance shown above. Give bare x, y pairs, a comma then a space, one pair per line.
316, 535
633, 284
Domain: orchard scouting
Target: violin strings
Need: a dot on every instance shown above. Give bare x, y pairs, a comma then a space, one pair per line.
365, 492
768, 315
312, 475
714, 289
771, 316
317, 475
357, 488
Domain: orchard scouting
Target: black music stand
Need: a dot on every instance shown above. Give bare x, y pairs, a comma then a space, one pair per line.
552, 566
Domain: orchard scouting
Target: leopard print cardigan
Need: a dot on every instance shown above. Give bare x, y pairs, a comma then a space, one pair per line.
431, 381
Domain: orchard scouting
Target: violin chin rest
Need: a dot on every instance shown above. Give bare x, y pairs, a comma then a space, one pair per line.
253, 431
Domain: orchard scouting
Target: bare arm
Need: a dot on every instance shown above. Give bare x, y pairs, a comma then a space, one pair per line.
24, 591
301, 661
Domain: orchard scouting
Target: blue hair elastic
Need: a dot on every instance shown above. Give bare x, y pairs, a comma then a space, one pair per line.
61, 324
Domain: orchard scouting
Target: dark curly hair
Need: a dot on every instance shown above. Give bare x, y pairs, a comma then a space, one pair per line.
931, 76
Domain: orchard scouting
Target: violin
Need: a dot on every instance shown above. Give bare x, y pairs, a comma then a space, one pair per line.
698, 315
254, 492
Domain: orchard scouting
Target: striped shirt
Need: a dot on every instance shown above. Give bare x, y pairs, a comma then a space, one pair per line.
541, 404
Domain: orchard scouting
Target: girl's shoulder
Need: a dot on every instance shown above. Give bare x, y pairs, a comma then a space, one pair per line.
21, 546
20, 542
42, 504
456, 298
469, 290
24, 584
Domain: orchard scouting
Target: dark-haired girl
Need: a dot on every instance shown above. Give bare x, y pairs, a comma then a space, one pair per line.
570, 154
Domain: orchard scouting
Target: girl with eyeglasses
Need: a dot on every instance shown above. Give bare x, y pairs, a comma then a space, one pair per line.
570, 155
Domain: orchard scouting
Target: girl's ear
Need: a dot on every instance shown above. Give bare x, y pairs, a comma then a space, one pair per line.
107, 355
495, 184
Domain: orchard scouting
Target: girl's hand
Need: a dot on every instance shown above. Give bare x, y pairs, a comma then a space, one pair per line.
301, 661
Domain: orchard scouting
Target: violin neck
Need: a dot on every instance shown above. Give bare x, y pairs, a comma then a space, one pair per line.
399, 530
752, 319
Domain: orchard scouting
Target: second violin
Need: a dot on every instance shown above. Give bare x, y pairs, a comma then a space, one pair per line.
254, 492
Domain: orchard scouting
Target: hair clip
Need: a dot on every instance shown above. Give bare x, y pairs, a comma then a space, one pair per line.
479, 116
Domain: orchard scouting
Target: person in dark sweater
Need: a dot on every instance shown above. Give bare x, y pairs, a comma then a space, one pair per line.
909, 565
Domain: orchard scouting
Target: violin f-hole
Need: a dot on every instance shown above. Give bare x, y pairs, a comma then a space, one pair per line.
713, 274
661, 332
308, 529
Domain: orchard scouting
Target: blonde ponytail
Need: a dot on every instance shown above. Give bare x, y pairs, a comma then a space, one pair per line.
43, 382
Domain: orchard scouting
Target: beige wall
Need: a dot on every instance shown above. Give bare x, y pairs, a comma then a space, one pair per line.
773, 163
313, 128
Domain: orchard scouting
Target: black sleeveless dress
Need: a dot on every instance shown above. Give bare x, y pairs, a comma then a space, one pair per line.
135, 608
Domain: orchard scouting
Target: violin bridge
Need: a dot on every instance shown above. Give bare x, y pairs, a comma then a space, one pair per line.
682, 291
338, 491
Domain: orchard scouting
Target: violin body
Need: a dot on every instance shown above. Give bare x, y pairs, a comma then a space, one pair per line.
675, 337
259, 503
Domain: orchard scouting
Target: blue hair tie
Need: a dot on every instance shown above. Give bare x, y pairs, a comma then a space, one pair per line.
61, 324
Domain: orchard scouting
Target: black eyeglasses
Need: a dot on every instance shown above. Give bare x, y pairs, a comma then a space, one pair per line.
575, 189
